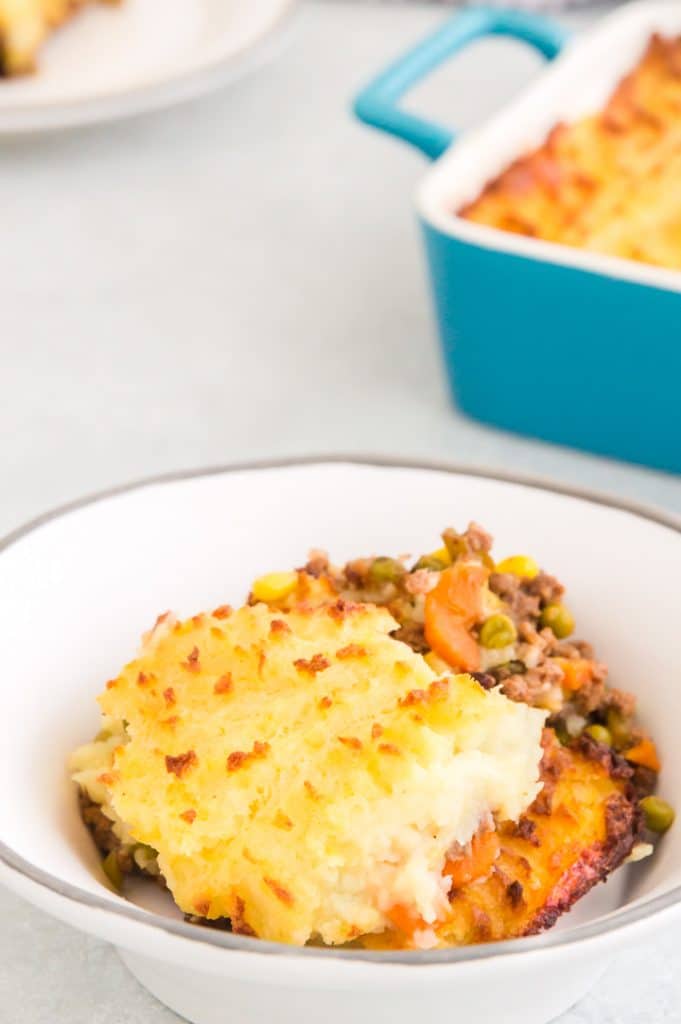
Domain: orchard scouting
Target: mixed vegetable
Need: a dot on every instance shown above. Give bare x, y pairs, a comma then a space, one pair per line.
504, 622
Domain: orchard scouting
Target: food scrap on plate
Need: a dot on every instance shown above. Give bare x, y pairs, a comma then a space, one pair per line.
26, 24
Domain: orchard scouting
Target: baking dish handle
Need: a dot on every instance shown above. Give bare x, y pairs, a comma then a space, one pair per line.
376, 104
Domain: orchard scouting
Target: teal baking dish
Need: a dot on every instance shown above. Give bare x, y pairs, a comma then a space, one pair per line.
559, 343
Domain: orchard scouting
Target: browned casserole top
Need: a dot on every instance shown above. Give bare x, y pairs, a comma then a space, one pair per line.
194, 778
608, 183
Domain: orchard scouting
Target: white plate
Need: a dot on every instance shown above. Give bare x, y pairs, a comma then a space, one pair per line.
76, 590
112, 61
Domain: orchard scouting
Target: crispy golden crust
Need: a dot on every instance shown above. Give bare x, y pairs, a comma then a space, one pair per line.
549, 845
309, 786
608, 182
583, 828
594, 863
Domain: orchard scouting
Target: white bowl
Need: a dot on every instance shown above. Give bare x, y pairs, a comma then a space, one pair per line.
78, 586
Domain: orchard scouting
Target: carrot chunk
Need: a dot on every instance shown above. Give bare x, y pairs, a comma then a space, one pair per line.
475, 864
644, 753
405, 920
452, 608
577, 672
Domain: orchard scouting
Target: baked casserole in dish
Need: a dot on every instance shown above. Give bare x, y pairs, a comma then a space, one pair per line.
397, 753
553, 231
608, 183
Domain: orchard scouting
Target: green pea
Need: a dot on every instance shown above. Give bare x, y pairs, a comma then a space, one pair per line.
431, 562
600, 734
658, 814
112, 869
386, 570
619, 729
496, 632
559, 619
509, 668
562, 735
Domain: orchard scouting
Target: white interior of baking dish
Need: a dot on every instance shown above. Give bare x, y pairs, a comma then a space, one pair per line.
576, 84
76, 593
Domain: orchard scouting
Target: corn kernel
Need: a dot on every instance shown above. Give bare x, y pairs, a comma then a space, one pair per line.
490, 601
519, 565
275, 586
442, 555
437, 663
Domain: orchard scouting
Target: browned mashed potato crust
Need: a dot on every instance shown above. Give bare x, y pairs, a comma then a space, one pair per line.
608, 182
585, 821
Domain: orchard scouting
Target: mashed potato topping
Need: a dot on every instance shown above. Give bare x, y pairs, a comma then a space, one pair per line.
607, 182
355, 755
305, 774
91, 767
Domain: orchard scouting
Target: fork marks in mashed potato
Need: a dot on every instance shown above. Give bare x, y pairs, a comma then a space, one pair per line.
314, 800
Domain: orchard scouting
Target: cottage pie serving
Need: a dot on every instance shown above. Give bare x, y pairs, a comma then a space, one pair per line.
385, 754
609, 182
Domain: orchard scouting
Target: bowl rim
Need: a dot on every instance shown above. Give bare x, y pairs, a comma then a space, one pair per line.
609, 924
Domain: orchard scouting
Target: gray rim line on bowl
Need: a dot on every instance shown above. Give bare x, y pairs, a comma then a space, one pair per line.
228, 940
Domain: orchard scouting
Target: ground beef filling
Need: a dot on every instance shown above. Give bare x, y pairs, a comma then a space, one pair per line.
534, 676
107, 842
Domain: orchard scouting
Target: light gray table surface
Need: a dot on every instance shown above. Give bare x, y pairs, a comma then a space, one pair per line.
237, 278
